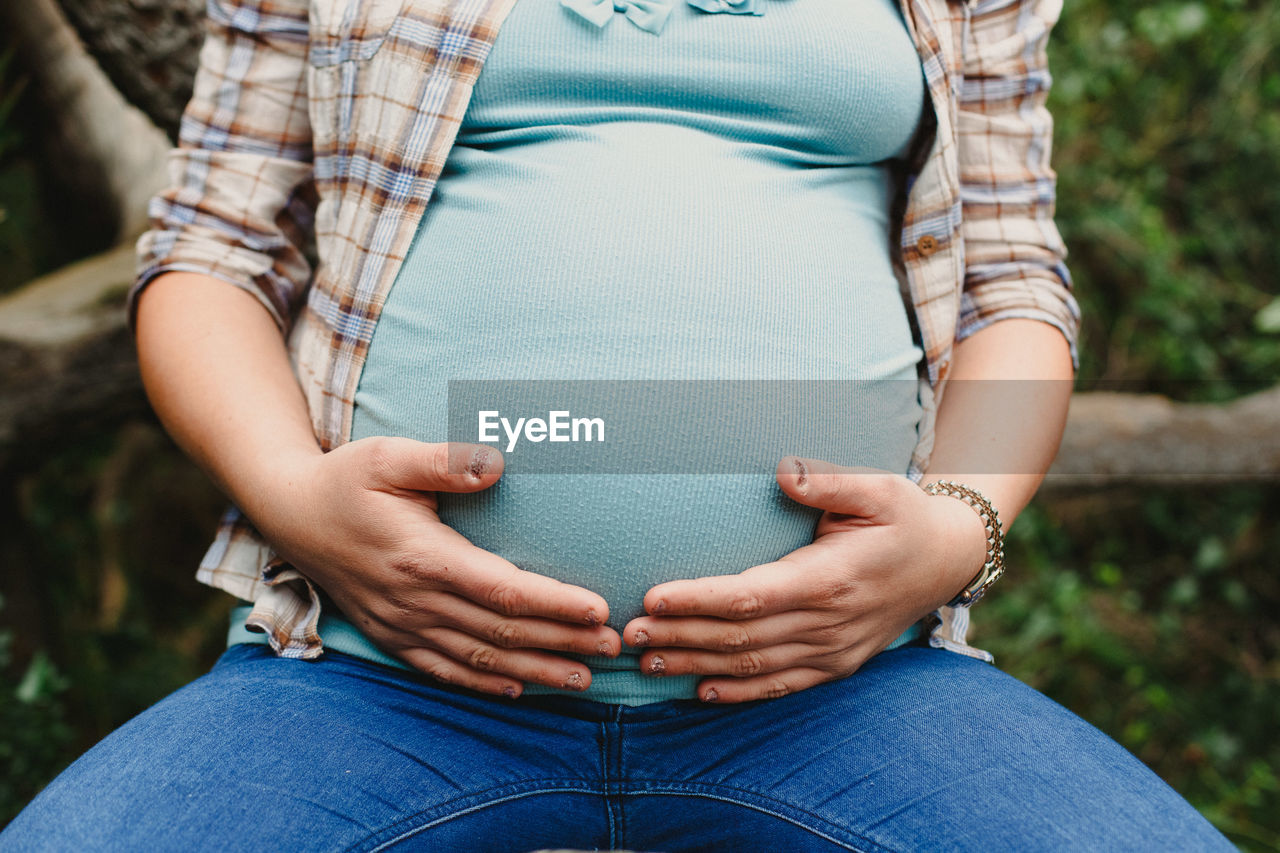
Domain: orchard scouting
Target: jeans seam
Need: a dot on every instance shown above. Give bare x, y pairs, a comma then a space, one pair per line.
743, 798
756, 802
620, 771
530, 788
605, 784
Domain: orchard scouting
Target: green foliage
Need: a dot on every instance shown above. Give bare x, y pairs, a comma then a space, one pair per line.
1158, 632
1168, 155
102, 616
34, 733
1149, 615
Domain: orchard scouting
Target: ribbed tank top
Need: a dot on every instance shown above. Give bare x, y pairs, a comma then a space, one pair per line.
710, 203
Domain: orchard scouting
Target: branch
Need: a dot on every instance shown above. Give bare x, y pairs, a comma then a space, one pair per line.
148, 48
1145, 439
67, 364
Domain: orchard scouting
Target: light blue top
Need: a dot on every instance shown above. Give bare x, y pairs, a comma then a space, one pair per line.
710, 204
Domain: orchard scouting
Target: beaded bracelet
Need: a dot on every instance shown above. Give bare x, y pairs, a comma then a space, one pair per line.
993, 565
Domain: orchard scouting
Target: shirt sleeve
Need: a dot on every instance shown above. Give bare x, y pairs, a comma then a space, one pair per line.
1015, 257
240, 201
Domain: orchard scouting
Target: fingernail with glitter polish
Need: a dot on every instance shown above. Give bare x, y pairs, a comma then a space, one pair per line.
802, 476
481, 461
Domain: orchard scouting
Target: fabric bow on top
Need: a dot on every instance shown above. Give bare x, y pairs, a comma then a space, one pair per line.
651, 15
648, 15
733, 7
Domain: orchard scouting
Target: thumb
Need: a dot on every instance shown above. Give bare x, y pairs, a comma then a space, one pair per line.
433, 467
859, 490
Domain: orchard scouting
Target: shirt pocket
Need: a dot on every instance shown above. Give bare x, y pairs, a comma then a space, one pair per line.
350, 31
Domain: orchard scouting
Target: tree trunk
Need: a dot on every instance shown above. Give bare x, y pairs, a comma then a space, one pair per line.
148, 48
106, 149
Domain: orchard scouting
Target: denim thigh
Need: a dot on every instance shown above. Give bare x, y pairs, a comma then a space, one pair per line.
267, 753
920, 749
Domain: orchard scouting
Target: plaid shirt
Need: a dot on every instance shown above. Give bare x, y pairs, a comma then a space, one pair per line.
333, 119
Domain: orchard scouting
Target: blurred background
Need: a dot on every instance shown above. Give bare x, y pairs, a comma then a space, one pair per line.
1146, 605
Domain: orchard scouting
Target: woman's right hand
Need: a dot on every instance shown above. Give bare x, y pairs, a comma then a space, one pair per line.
362, 522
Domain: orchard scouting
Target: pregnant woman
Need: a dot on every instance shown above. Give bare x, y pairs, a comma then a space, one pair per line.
438, 650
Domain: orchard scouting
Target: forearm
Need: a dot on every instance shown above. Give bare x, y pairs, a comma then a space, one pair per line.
217, 372
1000, 436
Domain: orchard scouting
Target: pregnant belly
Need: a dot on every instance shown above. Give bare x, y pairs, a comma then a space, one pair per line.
549, 261
620, 535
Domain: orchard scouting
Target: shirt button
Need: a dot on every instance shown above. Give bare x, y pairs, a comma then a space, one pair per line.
927, 245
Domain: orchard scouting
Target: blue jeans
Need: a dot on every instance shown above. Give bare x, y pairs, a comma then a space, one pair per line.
921, 748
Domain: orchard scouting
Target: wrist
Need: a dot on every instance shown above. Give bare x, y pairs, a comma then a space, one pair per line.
274, 482
965, 539
972, 534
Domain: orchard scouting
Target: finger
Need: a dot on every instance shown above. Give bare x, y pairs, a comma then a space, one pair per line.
774, 685
745, 664
441, 467
448, 671
860, 491
499, 586
528, 632
522, 664
719, 635
759, 591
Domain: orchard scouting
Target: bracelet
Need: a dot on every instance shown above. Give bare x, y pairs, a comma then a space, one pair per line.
993, 566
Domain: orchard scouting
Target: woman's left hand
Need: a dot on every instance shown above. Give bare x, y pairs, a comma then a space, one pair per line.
885, 554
